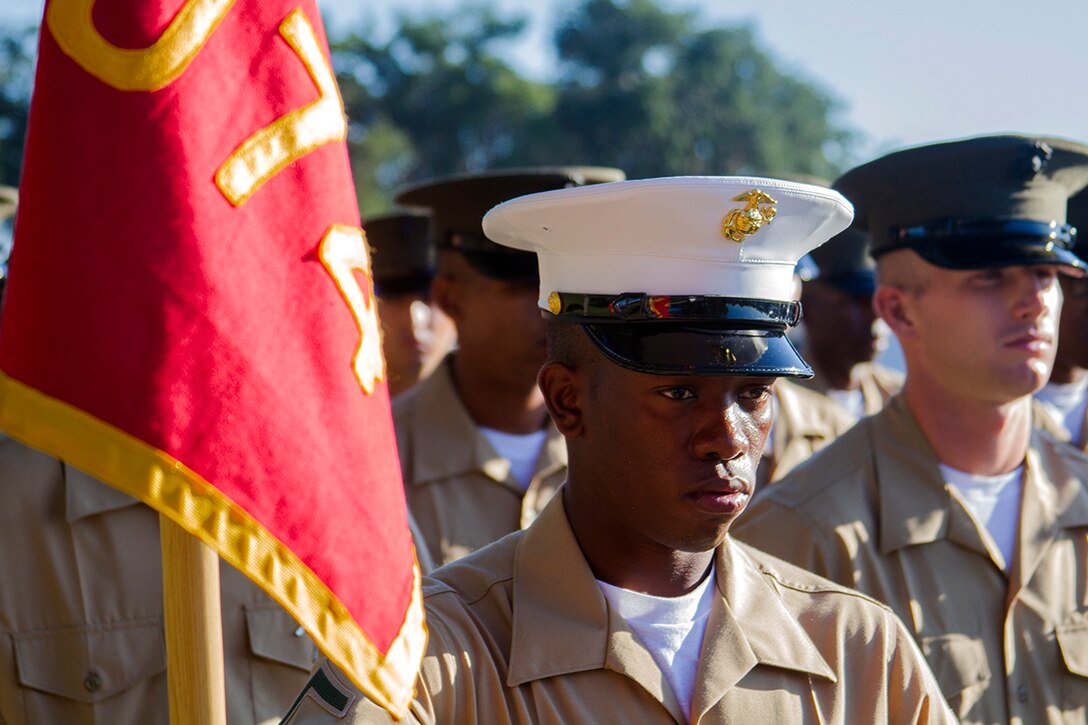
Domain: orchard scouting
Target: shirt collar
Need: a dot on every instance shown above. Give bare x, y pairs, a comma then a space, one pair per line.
1067, 498
878, 385
748, 625
915, 505
445, 426
1055, 498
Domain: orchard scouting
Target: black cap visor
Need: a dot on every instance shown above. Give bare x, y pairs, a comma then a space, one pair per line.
493, 260
990, 243
416, 283
988, 254
669, 348
510, 266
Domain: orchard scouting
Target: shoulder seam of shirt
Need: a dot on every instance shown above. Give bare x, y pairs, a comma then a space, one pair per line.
825, 586
437, 587
825, 589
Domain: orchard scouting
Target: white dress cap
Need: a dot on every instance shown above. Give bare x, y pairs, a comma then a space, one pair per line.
725, 236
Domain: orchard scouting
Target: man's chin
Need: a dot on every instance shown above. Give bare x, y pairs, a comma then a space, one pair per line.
705, 541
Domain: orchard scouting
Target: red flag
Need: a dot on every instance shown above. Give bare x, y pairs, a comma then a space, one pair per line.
190, 317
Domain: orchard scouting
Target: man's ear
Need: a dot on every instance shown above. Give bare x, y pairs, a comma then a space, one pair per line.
892, 304
562, 388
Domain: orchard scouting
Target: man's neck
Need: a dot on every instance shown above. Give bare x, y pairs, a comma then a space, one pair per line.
639, 566
970, 435
517, 409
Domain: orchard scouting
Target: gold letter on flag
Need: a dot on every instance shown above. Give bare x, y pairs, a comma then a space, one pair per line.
343, 251
288, 138
129, 69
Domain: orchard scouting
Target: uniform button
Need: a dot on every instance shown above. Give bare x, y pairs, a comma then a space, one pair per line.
1022, 693
93, 681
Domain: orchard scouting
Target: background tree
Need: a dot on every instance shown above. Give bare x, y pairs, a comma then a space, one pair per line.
18, 47
614, 92
645, 89
437, 99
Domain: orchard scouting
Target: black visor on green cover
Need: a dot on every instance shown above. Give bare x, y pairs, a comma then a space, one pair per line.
672, 348
517, 267
990, 243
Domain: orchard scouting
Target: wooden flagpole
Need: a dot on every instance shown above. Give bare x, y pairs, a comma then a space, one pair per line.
194, 628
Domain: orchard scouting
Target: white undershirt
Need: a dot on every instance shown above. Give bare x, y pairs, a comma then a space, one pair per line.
992, 500
672, 629
522, 451
1068, 402
851, 400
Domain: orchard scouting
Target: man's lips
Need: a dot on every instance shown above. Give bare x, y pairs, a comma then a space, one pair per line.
724, 492
1032, 340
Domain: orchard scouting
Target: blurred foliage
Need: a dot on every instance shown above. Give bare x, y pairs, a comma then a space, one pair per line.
436, 99
638, 86
17, 52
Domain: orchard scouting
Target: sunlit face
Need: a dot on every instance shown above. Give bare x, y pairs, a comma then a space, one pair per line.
416, 335
669, 461
988, 334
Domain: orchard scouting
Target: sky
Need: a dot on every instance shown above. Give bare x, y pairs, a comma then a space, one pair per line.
904, 73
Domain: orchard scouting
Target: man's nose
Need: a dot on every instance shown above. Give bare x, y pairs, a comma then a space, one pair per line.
1036, 294
720, 436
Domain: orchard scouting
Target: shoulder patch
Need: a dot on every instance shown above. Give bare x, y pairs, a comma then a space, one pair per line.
325, 689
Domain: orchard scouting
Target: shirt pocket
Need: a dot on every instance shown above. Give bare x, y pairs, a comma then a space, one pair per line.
276, 637
281, 658
1073, 643
960, 667
65, 670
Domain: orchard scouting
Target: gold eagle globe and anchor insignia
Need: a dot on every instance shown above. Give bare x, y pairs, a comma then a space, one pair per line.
739, 224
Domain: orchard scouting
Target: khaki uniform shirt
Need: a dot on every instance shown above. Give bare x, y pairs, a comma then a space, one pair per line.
804, 422
878, 384
460, 492
873, 512
1082, 444
81, 612
521, 633
1051, 423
